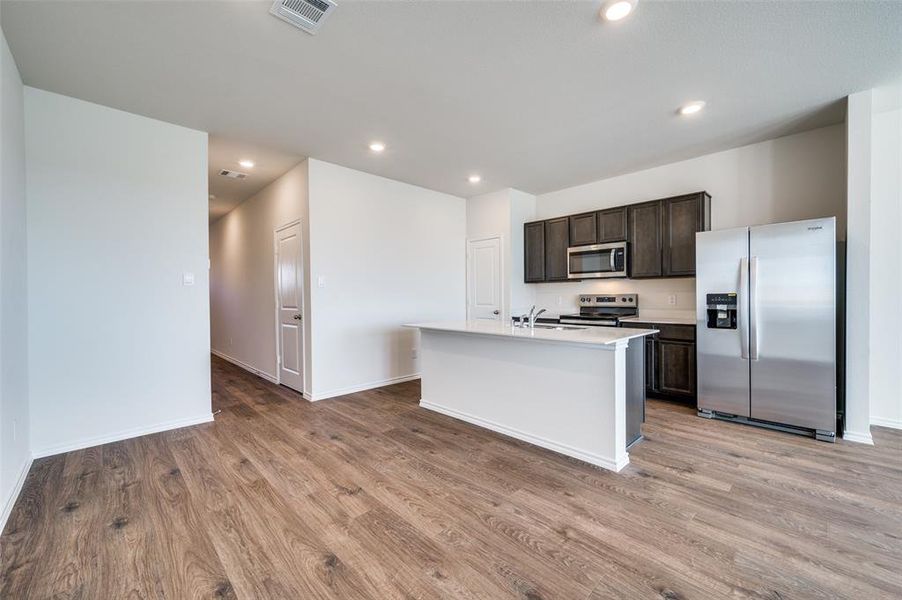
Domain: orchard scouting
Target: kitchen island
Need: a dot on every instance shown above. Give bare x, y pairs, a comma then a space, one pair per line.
579, 391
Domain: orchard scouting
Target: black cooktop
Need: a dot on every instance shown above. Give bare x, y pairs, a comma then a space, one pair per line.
591, 316
589, 312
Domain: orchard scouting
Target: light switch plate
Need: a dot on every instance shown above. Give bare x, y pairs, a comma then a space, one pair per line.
187, 278
321, 281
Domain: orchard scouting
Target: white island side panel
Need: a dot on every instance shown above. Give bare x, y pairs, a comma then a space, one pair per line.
567, 398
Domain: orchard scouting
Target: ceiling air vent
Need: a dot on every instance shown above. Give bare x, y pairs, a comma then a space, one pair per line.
303, 14
233, 174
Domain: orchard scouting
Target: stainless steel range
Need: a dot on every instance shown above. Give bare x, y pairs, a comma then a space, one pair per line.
603, 310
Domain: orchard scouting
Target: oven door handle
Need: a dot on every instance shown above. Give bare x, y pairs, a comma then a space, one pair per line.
587, 323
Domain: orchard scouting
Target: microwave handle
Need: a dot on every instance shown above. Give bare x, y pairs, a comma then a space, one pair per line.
611, 256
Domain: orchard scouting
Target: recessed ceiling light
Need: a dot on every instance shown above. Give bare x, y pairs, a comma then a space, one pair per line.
474, 178
690, 108
377, 146
247, 164
614, 10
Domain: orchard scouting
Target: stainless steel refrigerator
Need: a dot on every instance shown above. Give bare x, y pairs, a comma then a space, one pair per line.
766, 311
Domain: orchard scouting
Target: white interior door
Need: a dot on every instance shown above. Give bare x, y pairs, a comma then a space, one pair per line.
484, 278
290, 306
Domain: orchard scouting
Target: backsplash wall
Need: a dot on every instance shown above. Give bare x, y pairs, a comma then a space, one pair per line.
654, 294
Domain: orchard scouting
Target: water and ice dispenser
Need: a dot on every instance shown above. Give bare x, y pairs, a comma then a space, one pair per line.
722, 311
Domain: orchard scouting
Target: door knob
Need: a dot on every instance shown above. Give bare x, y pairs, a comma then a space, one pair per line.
495, 312
298, 317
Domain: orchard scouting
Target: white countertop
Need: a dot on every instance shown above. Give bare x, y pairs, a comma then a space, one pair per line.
592, 336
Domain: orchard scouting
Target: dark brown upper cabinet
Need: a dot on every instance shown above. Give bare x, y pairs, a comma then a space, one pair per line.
611, 225
534, 252
660, 233
583, 229
557, 240
645, 237
683, 217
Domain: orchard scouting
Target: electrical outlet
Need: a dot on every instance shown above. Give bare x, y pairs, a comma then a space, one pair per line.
671, 299
560, 300
414, 354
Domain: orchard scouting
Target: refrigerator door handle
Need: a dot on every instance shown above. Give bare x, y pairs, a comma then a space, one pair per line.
753, 308
744, 308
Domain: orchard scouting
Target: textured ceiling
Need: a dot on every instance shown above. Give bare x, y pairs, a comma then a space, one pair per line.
533, 95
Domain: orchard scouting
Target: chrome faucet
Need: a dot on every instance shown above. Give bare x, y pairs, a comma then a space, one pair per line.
533, 315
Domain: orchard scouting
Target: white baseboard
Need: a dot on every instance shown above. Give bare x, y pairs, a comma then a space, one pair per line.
360, 388
591, 458
122, 435
858, 437
245, 366
881, 422
14, 493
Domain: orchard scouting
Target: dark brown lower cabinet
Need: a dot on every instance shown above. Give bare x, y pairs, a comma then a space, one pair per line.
676, 368
651, 365
670, 370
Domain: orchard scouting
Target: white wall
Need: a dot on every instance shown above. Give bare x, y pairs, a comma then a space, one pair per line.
885, 330
654, 295
15, 452
794, 177
503, 213
242, 275
489, 215
387, 253
858, 253
523, 209
117, 212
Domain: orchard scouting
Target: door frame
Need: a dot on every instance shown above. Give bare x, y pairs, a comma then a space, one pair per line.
303, 289
482, 238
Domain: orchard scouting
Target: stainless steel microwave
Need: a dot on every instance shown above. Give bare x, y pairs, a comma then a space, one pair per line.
597, 261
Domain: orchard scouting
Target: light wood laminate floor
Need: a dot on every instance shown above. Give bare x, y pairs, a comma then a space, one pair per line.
369, 496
